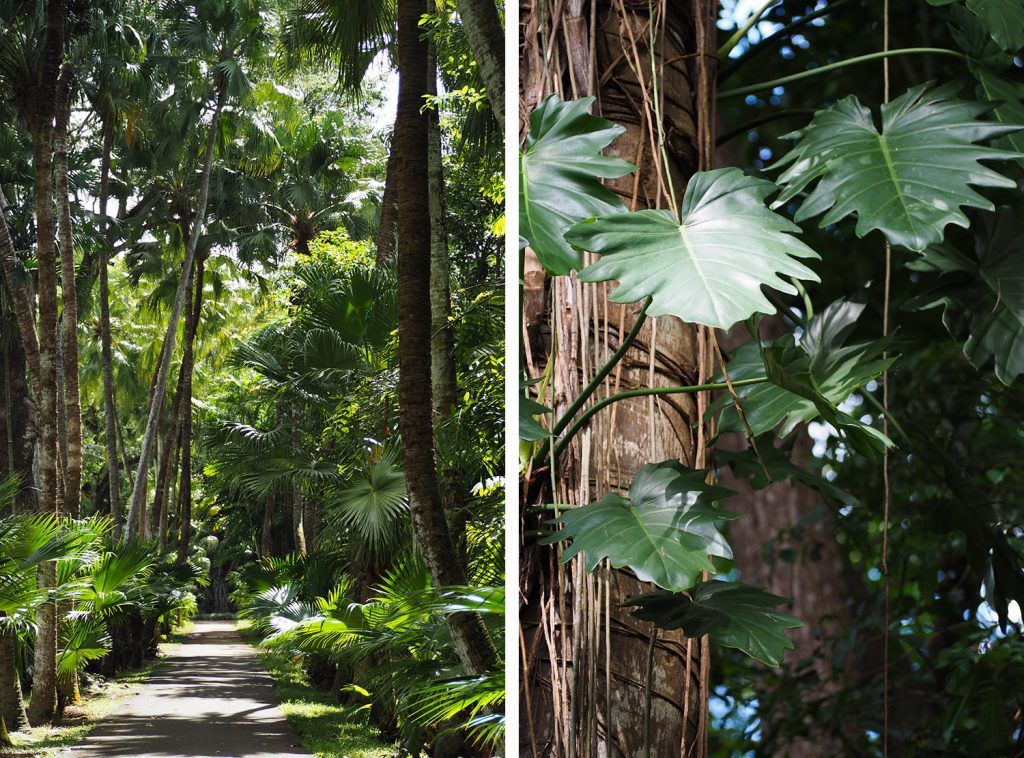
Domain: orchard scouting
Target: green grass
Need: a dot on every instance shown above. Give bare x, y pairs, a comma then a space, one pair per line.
98, 701
325, 728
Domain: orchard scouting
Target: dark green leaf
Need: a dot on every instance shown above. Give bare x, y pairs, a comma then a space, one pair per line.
559, 172
735, 615
911, 179
664, 532
710, 268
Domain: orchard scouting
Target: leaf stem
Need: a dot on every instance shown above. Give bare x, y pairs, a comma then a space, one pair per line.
641, 392
600, 375
768, 42
751, 89
740, 33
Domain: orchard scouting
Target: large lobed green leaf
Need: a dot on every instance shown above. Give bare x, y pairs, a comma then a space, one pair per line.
734, 615
984, 299
560, 168
1002, 19
708, 269
665, 532
807, 380
909, 180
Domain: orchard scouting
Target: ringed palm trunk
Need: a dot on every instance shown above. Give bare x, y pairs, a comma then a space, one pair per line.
472, 643
12, 707
44, 696
442, 344
149, 437
69, 299
482, 25
106, 350
597, 681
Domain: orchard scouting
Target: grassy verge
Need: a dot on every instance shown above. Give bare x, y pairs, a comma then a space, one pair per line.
99, 698
326, 728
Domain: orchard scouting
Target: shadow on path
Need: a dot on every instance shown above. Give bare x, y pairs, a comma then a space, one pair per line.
211, 698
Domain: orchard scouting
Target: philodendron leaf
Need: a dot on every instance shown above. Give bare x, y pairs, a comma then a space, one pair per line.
560, 168
734, 615
707, 269
665, 532
911, 179
529, 428
1003, 19
984, 299
807, 380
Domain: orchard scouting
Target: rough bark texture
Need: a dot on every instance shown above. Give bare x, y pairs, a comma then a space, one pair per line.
596, 681
482, 25
187, 364
442, 344
18, 436
23, 309
387, 226
149, 436
44, 696
298, 510
12, 708
69, 303
471, 641
109, 409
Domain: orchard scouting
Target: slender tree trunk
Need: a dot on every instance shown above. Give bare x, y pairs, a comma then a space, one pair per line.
139, 490
266, 530
171, 494
107, 353
24, 312
73, 399
472, 643
442, 343
482, 24
597, 681
171, 446
298, 506
187, 364
388, 212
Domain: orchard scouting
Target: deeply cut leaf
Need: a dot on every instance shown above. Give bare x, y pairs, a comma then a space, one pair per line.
1003, 19
529, 428
665, 532
735, 615
559, 172
710, 268
984, 300
911, 179
807, 381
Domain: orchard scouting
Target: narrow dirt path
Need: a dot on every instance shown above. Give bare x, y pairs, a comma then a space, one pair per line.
211, 698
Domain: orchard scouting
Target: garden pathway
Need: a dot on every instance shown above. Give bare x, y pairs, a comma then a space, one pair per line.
210, 698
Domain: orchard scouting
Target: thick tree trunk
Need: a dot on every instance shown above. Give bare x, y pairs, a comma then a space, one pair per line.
472, 642
267, 528
24, 311
107, 353
597, 681
17, 441
187, 364
482, 25
69, 301
12, 708
149, 436
386, 230
44, 695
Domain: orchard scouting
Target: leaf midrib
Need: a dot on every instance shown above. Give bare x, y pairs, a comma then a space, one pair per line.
883, 143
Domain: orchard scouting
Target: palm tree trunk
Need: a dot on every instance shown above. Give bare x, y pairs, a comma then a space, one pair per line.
482, 24
139, 490
109, 410
24, 312
44, 694
171, 447
388, 213
298, 506
442, 345
474, 647
171, 495
266, 530
72, 395
12, 707
185, 392
597, 681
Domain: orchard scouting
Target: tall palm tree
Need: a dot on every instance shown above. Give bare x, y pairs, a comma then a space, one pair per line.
228, 35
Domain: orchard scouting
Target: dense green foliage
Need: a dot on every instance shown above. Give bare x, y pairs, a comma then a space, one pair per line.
938, 178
